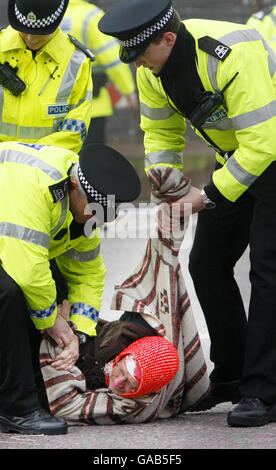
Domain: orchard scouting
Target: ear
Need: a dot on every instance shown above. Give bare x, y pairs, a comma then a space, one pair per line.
170, 38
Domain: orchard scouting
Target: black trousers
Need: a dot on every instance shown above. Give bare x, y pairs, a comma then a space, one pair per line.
19, 344
240, 349
22, 387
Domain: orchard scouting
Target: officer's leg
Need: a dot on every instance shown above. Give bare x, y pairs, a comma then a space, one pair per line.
221, 237
18, 393
35, 341
259, 377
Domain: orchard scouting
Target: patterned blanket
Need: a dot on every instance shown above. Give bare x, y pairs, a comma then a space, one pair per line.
156, 290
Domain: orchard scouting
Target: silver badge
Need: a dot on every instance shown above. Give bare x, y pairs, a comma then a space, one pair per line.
31, 16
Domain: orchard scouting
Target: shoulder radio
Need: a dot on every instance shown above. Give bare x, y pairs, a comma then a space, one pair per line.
10, 80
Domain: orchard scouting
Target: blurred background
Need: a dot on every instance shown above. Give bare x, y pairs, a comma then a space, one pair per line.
123, 131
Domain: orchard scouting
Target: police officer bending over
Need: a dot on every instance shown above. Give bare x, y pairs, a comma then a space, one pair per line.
220, 76
44, 215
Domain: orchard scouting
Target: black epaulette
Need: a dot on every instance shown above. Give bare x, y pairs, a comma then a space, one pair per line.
214, 47
82, 47
262, 13
58, 190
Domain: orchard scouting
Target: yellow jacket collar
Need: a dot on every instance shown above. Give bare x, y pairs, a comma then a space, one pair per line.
12, 40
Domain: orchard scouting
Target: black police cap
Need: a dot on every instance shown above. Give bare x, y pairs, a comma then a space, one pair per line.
135, 23
36, 17
107, 177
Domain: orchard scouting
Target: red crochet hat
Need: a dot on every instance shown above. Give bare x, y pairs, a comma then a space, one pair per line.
158, 361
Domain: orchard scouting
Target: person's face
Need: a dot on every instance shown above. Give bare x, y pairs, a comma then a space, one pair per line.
156, 55
78, 203
35, 41
120, 381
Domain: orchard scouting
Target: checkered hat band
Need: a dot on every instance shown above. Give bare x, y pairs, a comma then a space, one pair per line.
40, 22
147, 33
100, 198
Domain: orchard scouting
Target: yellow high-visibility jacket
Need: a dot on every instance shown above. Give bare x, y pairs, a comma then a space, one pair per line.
265, 22
55, 107
81, 20
245, 125
34, 229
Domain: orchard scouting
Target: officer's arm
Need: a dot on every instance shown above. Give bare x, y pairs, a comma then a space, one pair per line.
251, 107
163, 127
84, 270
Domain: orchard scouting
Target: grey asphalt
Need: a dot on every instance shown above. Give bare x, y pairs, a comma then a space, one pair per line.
204, 430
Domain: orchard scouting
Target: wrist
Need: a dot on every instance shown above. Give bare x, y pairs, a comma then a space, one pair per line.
82, 336
208, 204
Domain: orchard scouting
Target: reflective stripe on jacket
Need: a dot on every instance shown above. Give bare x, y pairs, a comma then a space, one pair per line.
34, 229
246, 124
55, 107
81, 20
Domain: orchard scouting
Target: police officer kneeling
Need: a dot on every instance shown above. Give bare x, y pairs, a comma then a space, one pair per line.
52, 200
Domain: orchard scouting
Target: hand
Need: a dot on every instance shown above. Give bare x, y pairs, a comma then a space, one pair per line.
67, 358
132, 100
61, 332
170, 216
194, 198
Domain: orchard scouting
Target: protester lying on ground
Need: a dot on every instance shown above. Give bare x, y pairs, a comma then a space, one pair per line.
156, 303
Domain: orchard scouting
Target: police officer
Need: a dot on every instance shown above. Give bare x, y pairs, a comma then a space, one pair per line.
45, 79
45, 215
264, 20
219, 76
81, 20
